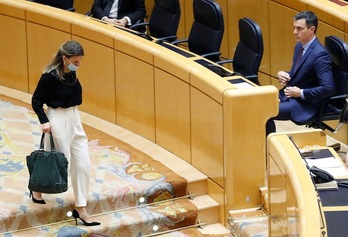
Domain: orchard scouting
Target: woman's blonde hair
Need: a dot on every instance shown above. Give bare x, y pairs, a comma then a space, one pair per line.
68, 49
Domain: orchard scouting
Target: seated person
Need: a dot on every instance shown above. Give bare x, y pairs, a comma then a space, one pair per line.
119, 12
310, 79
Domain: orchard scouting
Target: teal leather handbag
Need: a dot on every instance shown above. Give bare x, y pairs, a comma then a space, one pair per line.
48, 170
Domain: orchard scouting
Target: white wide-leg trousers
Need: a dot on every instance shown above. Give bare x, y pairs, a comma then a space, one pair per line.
70, 138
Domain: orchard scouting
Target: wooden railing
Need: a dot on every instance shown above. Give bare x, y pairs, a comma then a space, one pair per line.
293, 201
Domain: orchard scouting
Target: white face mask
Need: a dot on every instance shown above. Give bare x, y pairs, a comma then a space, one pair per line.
72, 67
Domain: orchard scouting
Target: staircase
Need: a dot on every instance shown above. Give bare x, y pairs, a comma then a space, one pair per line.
208, 221
161, 217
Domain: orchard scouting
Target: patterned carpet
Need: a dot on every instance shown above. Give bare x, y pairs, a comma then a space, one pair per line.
123, 180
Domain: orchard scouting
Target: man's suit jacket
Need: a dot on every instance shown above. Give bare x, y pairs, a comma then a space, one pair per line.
314, 75
134, 9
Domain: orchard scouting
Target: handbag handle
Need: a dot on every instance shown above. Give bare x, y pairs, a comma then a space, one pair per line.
53, 148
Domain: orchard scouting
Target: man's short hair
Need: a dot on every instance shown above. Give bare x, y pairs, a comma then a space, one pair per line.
310, 18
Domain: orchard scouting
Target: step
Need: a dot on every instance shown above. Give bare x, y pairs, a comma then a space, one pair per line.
132, 221
216, 230
248, 222
212, 230
208, 209
126, 222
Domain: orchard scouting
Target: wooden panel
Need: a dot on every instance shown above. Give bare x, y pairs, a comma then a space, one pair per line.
264, 79
172, 114
83, 6
240, 114
13, 66
218, 194
295, 5
209, 82
182, 25
149, 6
49, 16
97, 77
13, 9
207, 136
281, 18
135, 95
134, 45
325, 16
325, 30
329, 12
187, 13
225, 40
43, 43
174, 64
94, 30
256, 10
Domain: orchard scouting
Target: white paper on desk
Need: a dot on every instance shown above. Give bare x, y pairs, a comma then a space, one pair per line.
330, 164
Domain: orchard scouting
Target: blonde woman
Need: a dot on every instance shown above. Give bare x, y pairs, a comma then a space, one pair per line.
61, 91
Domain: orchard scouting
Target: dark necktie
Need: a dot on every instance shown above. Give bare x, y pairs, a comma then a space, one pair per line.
299, 56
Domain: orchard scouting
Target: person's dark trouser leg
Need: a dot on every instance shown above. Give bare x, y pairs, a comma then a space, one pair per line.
270, 126
284, 114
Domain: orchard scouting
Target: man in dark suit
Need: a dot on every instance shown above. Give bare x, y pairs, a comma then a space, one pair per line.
310, 79
119, 12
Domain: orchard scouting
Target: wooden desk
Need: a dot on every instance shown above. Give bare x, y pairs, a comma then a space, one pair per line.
294, 204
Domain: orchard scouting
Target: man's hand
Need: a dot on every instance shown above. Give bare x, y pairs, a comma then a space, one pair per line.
283, 78
109, 20
121, 22
292, 92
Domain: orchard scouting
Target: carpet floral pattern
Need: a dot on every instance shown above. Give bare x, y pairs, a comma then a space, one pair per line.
129, 191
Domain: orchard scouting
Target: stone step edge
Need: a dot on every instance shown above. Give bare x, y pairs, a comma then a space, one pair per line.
202, 203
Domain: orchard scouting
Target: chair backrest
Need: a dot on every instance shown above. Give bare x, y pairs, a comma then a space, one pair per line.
338, 51
335, 107
249, 50
207, 29
62, 4
164, 19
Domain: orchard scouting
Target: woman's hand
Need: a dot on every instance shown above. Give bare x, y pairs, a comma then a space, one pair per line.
46, 127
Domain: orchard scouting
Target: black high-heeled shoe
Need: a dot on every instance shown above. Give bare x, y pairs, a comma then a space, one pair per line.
76, 215
36, 200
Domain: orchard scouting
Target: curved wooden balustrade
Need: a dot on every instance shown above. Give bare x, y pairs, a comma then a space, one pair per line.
293, 201
275, 18
152, 91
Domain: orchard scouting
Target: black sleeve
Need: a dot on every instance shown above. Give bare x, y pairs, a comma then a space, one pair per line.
138, 11
40, 97
98, 9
